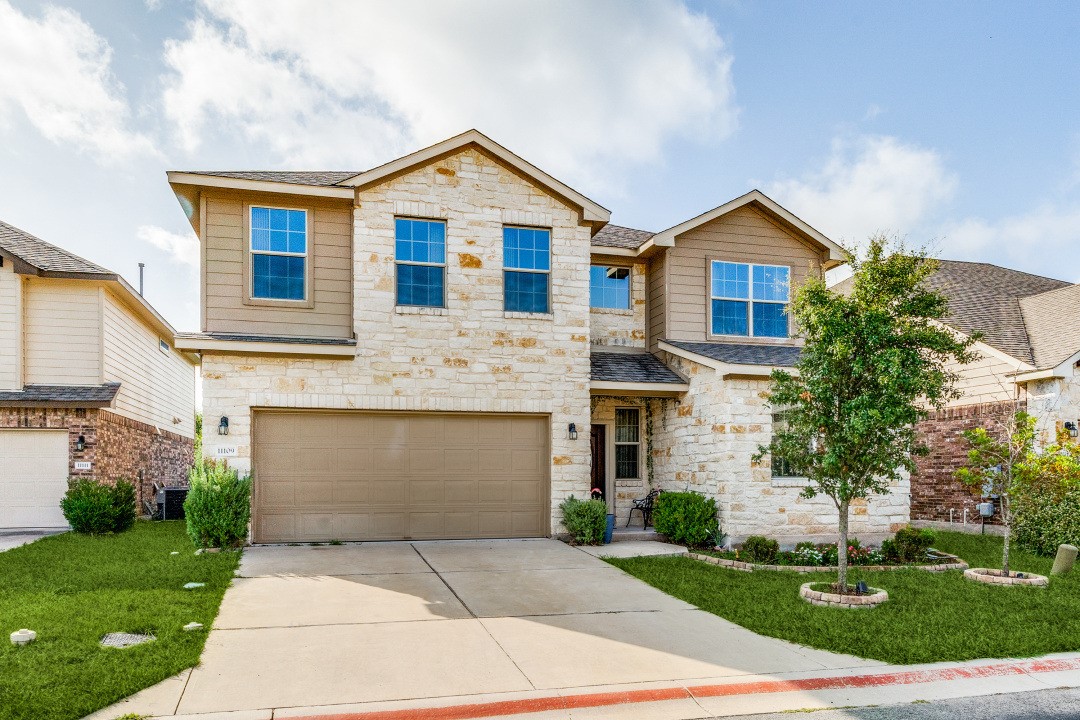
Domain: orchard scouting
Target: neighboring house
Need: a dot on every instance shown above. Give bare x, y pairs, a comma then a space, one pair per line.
1029, 352
91, 384
448, 345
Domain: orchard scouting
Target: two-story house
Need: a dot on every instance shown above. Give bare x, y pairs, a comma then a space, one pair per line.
91, 383
448, 345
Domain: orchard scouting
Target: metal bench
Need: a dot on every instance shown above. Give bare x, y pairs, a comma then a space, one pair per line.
645, 507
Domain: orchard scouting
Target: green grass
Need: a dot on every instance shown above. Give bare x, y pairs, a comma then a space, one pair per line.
929, 617
72, 589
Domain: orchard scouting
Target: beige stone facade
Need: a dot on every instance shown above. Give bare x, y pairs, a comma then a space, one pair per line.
613, 327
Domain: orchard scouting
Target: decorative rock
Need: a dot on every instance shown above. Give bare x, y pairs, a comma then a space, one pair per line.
997, 577
23, 637
193, 626
193, 585
175, 552
1066, 557
847, 602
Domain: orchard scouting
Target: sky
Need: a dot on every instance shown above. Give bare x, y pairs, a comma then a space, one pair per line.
954, 126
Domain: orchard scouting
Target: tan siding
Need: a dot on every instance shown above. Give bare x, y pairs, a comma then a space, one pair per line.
330, 255
985, 380
61, 332
657, 300
744, 235
10, 329
155, 387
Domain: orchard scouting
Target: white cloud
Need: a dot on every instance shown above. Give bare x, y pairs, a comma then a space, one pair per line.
57, 71
868, 185
584, 89
182, 249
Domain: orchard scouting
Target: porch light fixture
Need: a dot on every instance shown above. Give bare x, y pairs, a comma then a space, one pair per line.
573, 431
223, 426
1071, 427
80, 444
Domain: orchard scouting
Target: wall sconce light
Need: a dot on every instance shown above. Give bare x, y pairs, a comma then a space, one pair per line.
1071, 427
80, 444
223, 426
573, 431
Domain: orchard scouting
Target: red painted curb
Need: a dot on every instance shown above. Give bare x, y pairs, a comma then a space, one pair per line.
569, 702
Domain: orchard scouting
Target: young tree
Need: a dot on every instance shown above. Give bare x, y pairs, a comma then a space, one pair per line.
873, 364
1001, 460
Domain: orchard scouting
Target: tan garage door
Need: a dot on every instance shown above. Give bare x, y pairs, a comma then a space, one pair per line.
33, 478
393, 476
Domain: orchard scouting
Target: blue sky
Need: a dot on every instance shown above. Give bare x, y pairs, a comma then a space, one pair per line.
950, 124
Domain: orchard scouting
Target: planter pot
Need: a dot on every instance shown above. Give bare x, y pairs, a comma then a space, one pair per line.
997, 577
609, 528
849, 602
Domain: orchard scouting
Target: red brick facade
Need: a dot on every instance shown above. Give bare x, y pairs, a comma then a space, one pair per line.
934, 488
115, 446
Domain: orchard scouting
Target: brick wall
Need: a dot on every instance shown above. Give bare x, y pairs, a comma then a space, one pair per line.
934, 488
77, 421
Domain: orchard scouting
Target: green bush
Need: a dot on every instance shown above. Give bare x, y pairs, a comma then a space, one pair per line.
1044, 520
95, 508
760, 549
686, 518
218, 506
909, 545
584, 519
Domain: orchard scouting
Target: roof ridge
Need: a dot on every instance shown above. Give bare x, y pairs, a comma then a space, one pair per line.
56, 248
1006, 269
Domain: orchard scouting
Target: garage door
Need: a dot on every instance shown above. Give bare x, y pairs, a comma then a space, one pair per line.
33, 478
393, 476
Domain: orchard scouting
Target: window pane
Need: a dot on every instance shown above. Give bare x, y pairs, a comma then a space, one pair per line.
609, 287
770, 320
729, 317
420, 241
771, 283
279, 219
731, 280
526, 292
420, 285
626, 426
626, 461
277, 277
526, 249
260, 238
260, 218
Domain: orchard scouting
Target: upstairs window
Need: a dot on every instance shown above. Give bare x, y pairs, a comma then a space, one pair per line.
278, 254
627, 444
526, 269
749, 300
609, 287
420, 261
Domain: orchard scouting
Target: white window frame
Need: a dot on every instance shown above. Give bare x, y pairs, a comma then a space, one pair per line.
529, 270
442, 265
617, 443
748, 300
306, 300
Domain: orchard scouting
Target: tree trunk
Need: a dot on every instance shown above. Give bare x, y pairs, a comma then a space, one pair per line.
1007, 522
841, 548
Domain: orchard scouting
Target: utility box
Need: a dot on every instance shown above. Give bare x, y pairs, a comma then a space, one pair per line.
986, 509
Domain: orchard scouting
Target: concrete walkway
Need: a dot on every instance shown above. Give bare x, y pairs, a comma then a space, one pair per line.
307, 630
10, 539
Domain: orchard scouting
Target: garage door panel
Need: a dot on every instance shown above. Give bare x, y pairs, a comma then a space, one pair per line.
33, 477
324, 475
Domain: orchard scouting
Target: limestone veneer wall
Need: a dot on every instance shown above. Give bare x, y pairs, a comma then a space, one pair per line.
468, 357
616, 327
706, 443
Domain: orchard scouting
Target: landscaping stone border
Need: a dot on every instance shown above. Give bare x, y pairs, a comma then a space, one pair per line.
849, 602
954, 563
997, 577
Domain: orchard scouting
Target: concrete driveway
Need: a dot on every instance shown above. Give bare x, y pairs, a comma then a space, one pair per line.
335, 627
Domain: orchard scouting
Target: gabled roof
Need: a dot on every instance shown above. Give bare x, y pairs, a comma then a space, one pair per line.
1053, 325
37, 257
623, 367
837, 256
617, 236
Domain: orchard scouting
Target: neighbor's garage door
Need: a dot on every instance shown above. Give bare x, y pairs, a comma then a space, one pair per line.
393, 476
33, 478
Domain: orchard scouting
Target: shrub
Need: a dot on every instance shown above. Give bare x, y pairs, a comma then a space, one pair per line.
686, 518
909, 545
218, 506
584, 519
95, 508
760, 549
1044, 520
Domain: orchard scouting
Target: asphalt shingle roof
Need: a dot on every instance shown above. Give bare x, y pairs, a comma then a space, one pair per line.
631, 367
45, 256
742, 353
320, 178
238, 337
1053, 325
621, 237
73, 395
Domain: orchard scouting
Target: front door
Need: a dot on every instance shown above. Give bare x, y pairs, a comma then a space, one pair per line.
599, 460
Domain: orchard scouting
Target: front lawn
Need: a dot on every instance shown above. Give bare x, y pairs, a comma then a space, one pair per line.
929, 617
73, 589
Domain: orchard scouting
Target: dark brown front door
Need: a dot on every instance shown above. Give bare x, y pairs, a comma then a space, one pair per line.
599, 461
